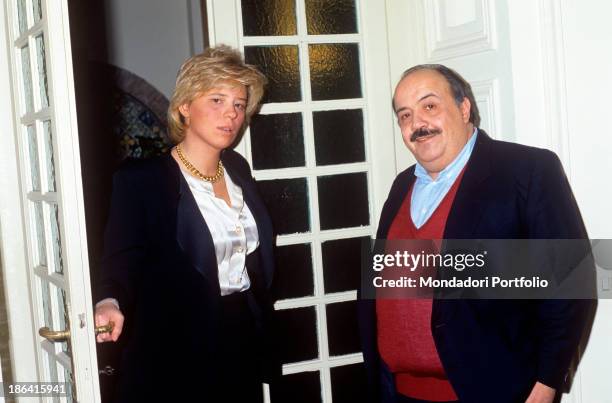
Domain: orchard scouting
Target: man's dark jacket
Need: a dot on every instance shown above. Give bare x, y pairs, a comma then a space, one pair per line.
495, 350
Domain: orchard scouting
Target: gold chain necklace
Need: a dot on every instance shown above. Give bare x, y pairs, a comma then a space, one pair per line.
194, 171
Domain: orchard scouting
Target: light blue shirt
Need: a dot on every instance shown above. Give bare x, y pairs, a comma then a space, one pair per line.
427, 193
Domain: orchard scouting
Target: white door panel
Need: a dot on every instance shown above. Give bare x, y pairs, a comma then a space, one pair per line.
321, 48
51, 225
469, 36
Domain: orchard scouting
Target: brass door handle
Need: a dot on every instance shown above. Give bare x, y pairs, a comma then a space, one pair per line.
54, 335
108, 328
63, 335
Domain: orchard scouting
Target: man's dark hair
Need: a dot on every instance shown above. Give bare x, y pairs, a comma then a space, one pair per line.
459, 87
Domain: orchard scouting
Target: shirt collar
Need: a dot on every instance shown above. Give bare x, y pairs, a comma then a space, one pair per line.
454, 167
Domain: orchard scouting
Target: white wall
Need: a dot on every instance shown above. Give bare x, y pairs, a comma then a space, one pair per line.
588, 61
588, 45
562, 60
151, 38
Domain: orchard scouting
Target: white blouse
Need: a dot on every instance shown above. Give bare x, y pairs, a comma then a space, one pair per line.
233, 230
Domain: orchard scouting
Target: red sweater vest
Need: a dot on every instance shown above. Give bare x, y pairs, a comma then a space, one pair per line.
405, 341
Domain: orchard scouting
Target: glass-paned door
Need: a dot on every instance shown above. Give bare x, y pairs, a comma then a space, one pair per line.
320, 162
51, 197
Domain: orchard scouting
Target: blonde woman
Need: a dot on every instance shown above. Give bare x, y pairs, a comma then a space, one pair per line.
188, 260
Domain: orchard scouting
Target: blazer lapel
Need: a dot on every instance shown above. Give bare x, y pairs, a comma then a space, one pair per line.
192, 233
464, 216
397, 194
469, 203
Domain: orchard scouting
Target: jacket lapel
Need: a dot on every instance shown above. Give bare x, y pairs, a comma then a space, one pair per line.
469, 203
192, 233
465, 214
397, 194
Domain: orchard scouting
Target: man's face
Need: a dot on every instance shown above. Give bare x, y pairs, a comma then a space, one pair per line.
433, 127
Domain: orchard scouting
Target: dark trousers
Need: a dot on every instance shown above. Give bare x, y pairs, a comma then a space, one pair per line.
240, 377
405, 399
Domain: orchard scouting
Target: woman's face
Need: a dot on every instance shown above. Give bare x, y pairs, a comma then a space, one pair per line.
215, 117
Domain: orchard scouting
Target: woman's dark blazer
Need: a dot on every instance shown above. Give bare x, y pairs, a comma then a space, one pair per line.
159, 262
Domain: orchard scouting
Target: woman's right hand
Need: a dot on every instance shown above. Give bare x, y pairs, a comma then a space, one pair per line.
108, 312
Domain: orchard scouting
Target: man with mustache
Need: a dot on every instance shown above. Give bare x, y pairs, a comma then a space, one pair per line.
466, 185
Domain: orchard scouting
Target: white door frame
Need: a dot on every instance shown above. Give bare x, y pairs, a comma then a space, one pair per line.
225, 26
84, 355
13, 247
24, 315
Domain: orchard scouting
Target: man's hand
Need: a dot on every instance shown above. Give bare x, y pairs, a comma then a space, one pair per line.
541, 394
108, 312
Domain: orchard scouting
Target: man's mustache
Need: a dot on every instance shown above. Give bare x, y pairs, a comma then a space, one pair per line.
422, 132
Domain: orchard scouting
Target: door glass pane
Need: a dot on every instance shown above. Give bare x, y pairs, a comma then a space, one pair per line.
342, 264
324, 17
298, 327
51, 364
34, 159
22, 16
45, 294
348, 208
338, 136
287, 202
42, 71
334, 71
349, 383
268, 17
280, 64
293, 277
37, 10
70, 390
26, 73
342, 328
49, 156
58, 263
304, 387
62, 316
40, 234
277, 141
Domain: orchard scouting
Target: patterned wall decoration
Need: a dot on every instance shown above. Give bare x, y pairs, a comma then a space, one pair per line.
139, 116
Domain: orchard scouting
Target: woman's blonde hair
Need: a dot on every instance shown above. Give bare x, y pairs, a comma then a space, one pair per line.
216, 66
